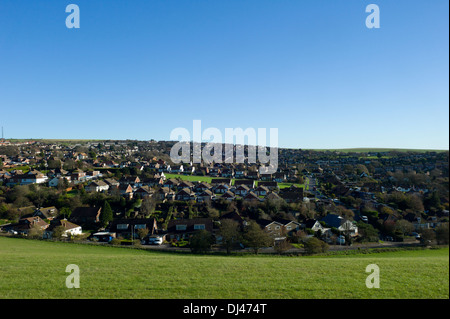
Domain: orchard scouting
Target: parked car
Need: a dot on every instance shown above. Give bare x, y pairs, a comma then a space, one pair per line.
340, 240
155, 241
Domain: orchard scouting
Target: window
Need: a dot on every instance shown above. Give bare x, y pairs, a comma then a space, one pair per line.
180, 227
289, 227
199, 226
122, 226
139, 226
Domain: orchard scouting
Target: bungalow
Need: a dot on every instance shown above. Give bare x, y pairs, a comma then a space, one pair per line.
251, 197
171, 183
205, 195
342, 224
85, 215
314, 225
184, 228
48, 213
221, 188
228, 196
130, 227
270, 185
70, 229
164, 193
241, 190
185, 194
185, 184
247, 182
261, 191
97, 186
202, 186
144, 191
26, 224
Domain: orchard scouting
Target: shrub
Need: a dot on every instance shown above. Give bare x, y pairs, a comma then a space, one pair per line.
314, 246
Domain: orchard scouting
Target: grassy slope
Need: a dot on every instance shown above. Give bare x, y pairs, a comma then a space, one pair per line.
36, 269
195, 178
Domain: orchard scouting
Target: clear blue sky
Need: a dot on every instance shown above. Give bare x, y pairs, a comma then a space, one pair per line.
138, 69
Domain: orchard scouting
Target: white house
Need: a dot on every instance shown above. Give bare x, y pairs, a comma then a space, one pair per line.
70, 229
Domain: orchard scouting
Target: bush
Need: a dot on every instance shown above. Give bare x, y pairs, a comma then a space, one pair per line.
201, 242
315, 246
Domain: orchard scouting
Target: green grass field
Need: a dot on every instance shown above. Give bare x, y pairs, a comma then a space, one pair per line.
36, 269
195, 178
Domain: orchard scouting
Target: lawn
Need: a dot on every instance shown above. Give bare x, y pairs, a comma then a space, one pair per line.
194, 178
36, 269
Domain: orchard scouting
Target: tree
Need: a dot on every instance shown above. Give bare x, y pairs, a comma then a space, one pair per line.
142, 233
106, 214
229, 231
148, 206
404, 226
201, 241
58, 232
442, 234
35, 232
314, 246
65, 212
256, 238
281, 246
427, 236
367, 232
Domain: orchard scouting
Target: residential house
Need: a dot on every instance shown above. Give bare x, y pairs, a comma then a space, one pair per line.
261, 191
185, 194
221, 189
70, 229
26, 224
129, 227
85, 215
205, 195
183, 228
97, 186
48, 213
242, 190
341, 224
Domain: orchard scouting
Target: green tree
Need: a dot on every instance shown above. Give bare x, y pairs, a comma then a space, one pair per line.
201, 241
256, 238
230, 233
58, 232
314, 246
442, 234
106, 214
65, 212
142, 233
